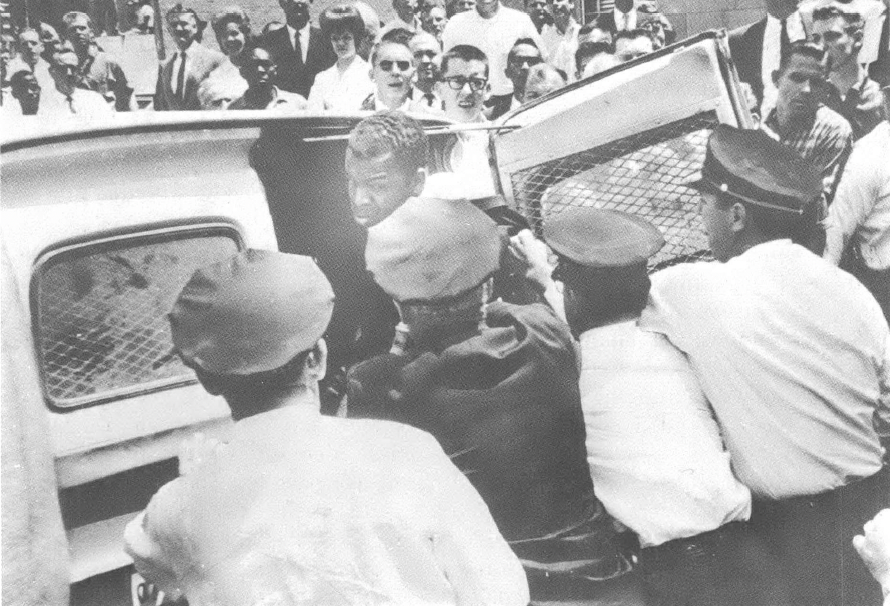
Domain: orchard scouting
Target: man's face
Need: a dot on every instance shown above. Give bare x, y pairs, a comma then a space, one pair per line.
27, 91
631, 48
537, 10
259, 69
435, 20
781, 9
393, 70
487, 8
64, 71
426, 57
79, 32
463, 89
184, 28
840, 45
296, 12
462, 6
562, 8
596, 35
717, 222
405, 9
800, 88
524, 56
377, 187
30, 46
50, 38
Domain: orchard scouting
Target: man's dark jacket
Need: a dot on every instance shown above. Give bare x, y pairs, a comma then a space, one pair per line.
294, 75
504, 404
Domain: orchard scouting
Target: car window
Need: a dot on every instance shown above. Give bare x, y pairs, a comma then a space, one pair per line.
100, 313
643, 174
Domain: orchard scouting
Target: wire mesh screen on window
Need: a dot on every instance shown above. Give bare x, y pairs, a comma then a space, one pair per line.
643, 174
102, 326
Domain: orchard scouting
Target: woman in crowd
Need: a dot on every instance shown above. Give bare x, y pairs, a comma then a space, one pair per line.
344, 85
225, 84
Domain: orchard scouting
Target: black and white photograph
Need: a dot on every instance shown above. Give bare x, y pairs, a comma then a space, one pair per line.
445, 302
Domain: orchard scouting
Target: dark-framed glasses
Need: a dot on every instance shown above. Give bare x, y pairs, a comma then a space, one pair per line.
458, 82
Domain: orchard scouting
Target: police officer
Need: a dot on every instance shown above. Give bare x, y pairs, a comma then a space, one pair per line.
497, 385
298, 507
655, 453
792, 354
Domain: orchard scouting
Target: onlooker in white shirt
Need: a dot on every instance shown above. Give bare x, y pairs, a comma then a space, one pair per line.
561, 38
861, 213
68, 100
343, 86
493, 28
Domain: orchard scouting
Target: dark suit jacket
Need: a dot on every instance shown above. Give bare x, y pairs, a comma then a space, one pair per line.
201, 61
746, 49
294, 75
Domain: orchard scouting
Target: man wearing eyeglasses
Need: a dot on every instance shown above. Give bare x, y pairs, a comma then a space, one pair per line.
392, 70
67, 99
464, 89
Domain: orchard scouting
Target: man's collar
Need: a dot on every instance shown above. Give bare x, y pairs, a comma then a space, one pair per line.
194, 44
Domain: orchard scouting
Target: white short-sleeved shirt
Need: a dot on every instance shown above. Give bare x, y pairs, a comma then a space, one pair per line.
654, 449
861, 207
561, 47
494, 37
792, 354
298, 508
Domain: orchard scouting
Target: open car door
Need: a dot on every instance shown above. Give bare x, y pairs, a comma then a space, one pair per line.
625, 139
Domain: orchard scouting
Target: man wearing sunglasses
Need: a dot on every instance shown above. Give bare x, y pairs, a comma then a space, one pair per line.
392, 70
523, 56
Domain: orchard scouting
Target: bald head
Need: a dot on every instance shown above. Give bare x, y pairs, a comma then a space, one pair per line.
542, 79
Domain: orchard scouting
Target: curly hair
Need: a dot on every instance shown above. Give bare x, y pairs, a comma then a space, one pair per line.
72, 16
342, 18
392, 132
231, 14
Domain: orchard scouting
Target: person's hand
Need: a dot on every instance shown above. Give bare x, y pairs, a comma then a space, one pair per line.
534, 255
873, 546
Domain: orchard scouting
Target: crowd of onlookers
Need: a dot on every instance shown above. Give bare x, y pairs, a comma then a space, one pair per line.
350, 61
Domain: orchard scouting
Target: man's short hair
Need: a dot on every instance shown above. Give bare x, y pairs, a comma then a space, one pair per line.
544, 71
800, 228
376, 50
588, 50
804, 49
26, 31
399, 35
527, 41
232, 14
291, 374
72, 16
464, 52
179, 9
342, 18
65, 50
17, 79
854, 20
392, 132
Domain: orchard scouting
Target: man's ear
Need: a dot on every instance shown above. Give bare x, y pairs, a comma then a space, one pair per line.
317, 362
738, 217
486, 93
419, 182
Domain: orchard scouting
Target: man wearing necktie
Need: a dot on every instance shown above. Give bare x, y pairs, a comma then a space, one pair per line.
181, 74
66, 99
757, 49
299, 50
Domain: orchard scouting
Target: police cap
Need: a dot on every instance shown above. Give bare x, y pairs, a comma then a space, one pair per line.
431, 249
752, 167
602, 238
251, 313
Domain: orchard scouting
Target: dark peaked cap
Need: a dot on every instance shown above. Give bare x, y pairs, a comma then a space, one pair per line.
602, 238
251, 313
751, 166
